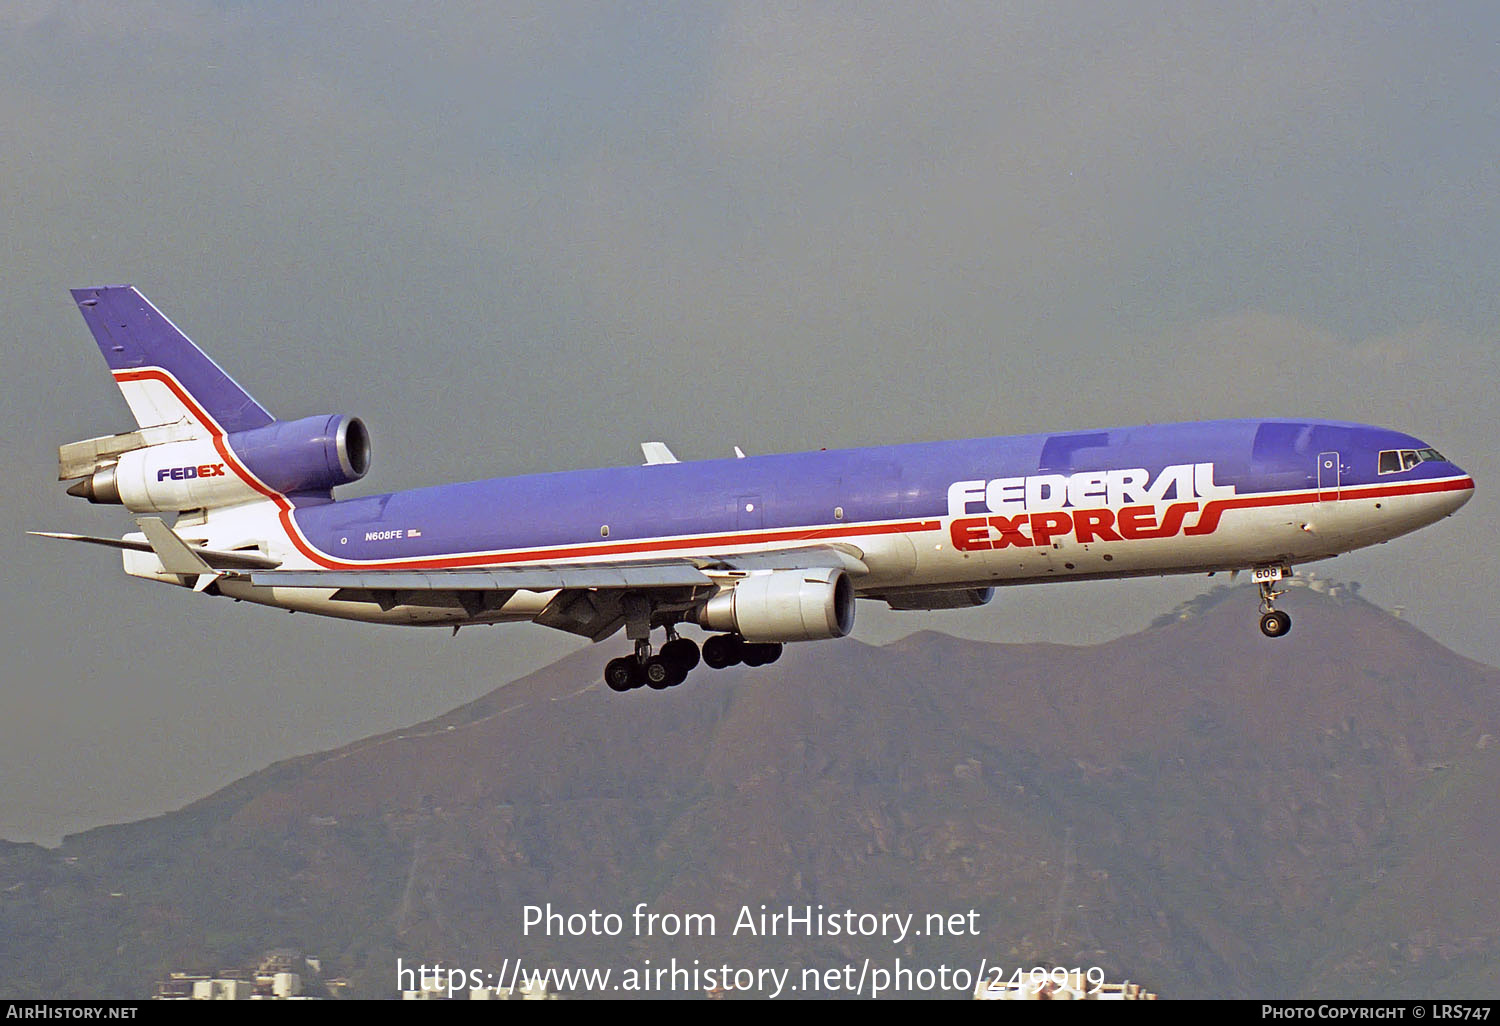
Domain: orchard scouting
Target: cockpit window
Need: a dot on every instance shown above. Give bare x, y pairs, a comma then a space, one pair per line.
1393, 461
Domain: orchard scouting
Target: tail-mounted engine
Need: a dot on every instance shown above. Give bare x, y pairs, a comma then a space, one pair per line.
158, 470
784, 605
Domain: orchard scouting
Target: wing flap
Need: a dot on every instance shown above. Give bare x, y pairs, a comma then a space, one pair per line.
552, 578
682, 573
833, 557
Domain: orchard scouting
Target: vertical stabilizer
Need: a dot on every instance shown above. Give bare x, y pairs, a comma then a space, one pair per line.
163, 376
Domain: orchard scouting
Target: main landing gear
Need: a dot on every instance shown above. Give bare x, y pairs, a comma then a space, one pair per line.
723, 650
1273, 624
678, 656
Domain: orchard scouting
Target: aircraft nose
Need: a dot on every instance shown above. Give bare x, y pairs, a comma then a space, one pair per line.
1463, 490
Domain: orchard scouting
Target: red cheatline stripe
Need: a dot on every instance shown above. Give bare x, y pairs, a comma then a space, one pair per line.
693, 542
492, 558
240, 470
1207, 523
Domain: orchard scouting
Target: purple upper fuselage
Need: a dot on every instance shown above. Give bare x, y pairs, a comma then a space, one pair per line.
622, 511
740, 497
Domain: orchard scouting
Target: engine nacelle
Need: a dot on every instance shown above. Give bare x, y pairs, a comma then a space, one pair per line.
313, 454
948, 598
784, 605
171, 477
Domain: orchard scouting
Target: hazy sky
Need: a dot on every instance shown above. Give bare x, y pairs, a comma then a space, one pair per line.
524, 237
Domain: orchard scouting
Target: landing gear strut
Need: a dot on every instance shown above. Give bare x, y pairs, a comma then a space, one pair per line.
1273, 624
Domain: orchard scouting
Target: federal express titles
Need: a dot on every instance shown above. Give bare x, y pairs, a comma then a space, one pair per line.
1102, 505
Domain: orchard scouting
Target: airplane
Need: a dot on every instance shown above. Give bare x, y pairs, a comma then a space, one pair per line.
758, 550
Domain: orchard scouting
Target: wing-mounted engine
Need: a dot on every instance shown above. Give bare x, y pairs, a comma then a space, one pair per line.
784, 605
168, 469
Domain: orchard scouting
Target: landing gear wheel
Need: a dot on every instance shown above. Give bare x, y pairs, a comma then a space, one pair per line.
761, 654
723, 650
681, 652
659, 674
1274, 624
619, 673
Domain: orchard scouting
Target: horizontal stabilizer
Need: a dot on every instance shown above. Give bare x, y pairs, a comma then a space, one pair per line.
215, 558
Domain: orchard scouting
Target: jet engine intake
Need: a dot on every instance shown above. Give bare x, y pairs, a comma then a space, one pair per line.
313, 454
307, 457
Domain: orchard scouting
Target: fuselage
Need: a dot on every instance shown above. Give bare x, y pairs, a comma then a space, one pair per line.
763, 551
1154, 499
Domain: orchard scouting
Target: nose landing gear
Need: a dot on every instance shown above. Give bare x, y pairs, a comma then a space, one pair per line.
1273, 623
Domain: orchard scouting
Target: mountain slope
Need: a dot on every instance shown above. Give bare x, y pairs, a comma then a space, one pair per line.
1194, 807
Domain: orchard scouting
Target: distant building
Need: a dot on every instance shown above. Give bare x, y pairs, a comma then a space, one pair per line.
276, 979
278, 986
281, 960
223, 989
429, 988
177, 987
1073, 986
533, 991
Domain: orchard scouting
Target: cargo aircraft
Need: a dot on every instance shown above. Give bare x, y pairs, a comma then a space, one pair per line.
758, 550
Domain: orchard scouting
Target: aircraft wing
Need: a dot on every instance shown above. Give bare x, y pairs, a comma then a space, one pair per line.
592, 598
664, 573
837, 557
551, 578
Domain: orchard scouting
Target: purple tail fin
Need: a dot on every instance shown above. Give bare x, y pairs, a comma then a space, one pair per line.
135, 337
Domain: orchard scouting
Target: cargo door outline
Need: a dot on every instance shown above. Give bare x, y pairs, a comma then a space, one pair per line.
749, 514
1329, 471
